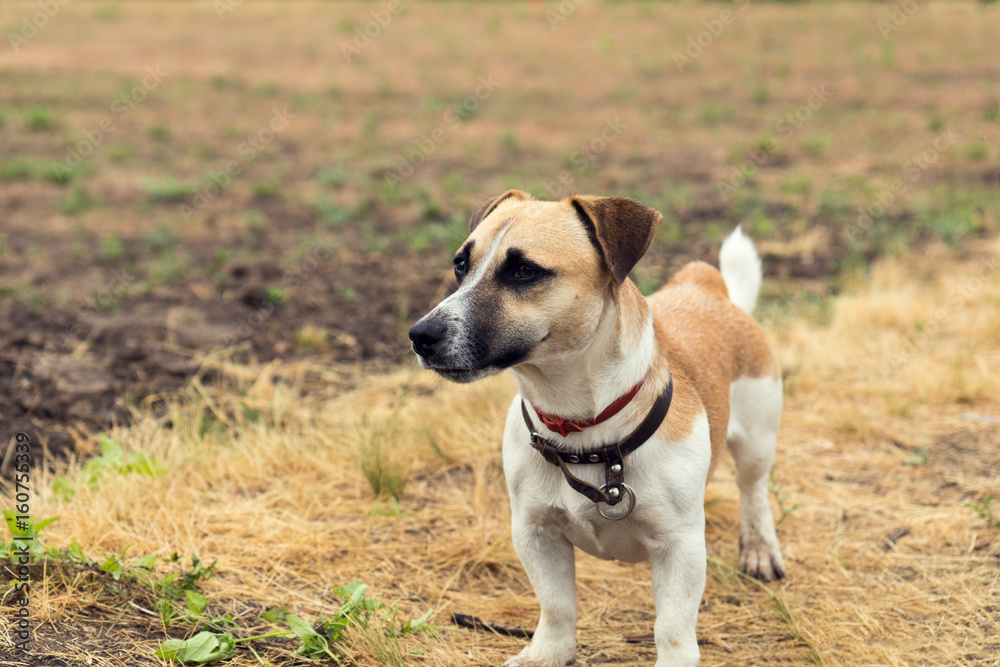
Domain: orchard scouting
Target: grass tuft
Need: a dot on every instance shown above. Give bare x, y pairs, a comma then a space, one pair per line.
380, 460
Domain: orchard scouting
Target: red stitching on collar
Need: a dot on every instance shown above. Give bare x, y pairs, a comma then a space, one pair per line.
564, 426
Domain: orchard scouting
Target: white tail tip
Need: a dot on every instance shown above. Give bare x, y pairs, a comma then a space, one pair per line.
740, 268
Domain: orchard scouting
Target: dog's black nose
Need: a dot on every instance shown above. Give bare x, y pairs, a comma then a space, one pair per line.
425, 335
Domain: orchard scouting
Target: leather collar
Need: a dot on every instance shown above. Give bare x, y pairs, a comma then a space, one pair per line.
612, 456
564, 426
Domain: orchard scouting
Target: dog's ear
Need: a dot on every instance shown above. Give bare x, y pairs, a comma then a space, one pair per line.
621, 229
487, 206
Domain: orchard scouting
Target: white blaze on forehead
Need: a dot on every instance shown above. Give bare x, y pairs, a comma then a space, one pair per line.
479, 270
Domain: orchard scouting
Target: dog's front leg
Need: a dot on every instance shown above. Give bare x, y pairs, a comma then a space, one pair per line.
548, 559
678, 571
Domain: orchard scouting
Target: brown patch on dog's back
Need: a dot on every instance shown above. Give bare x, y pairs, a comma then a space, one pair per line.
696, 321
704, 275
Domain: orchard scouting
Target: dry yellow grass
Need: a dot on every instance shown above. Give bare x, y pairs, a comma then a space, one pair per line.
272, 489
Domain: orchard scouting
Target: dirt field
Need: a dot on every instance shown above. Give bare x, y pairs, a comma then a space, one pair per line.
261, 199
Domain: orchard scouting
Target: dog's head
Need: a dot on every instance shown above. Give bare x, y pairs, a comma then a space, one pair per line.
534, 279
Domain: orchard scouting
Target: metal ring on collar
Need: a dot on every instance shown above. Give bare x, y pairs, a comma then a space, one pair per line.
630, 499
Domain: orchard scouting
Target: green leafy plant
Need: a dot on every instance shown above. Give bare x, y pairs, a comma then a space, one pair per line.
79, 201
24, 531
266, 189
203, 648
111, 460
361, 622
38, 119
984, 510
919, 458
111, 248
57, 173
15, 170
159, 132
274, 295
371, 623
166, 190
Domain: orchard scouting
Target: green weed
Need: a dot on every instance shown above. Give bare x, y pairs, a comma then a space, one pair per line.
919, 458
379, 461
509, 142
817, 145
120, 154
266, 189
111, 248
24, 530
169, 267
161, 238
984, 510
333, 215
57, 173
274, 295
79, 201
715, 114
361, 620
112, 460
797, 185
991, 112
267, 89
15, 170
159, 132
166, 190
336, 176
38, 119
219, 82
979, 151
778, 491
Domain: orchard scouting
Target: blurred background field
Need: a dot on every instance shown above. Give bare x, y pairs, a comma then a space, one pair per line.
207, 203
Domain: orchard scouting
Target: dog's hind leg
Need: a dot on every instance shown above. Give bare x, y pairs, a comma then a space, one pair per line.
754, 416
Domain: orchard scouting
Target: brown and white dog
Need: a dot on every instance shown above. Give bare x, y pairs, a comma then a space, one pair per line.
544, 290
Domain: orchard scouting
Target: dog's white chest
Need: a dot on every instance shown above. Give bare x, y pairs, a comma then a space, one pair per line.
610, 540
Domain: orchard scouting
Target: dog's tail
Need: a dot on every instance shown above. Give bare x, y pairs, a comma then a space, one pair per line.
740, 268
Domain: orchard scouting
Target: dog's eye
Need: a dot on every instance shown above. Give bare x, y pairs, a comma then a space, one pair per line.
524, 272
460, 266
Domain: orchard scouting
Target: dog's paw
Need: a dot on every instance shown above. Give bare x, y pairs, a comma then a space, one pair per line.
516, 661
760, 559
532, 658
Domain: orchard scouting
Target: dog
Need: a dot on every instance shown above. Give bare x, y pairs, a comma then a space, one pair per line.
543, 290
